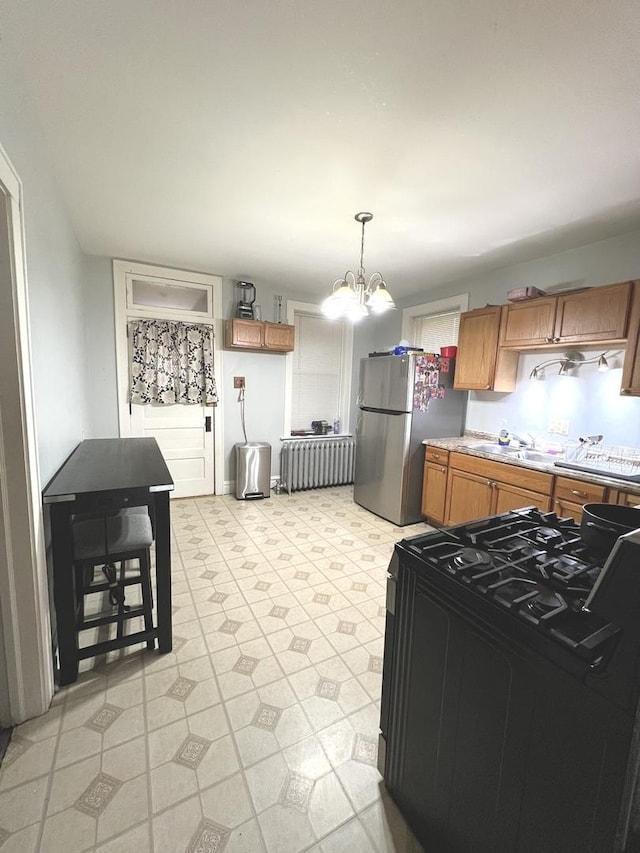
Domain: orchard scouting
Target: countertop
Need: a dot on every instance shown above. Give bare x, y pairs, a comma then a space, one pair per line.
464, 444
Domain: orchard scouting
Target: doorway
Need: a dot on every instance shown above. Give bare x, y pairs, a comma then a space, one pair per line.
26, 665
189, 436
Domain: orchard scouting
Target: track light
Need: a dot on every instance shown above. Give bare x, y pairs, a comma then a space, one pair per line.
570, 361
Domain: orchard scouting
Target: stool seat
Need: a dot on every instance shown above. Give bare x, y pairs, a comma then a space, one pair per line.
112, 541
126, 531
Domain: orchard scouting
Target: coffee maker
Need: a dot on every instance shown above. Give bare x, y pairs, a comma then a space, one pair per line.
246, 298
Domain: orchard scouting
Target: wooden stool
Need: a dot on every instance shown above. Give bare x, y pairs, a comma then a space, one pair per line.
109, 541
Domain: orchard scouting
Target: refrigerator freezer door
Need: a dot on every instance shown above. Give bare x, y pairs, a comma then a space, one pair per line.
382, 465
386, 382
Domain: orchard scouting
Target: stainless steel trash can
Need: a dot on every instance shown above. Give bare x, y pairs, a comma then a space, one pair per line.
253, 470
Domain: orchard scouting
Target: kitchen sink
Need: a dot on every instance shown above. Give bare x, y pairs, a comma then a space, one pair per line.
514, 452
499, 449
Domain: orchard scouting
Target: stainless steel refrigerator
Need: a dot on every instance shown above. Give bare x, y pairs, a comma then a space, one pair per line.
402, 400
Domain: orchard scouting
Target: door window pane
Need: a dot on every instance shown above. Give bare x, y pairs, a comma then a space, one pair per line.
175, 297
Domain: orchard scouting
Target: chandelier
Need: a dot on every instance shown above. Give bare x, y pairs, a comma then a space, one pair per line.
352, 296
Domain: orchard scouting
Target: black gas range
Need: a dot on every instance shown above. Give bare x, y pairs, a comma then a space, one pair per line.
510, 688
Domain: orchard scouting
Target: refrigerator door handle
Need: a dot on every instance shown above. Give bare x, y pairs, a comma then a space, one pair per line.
383, 411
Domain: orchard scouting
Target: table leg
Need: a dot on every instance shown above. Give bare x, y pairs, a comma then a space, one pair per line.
64, 591
163, 571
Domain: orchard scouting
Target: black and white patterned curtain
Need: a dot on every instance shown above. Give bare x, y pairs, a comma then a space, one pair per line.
171, 363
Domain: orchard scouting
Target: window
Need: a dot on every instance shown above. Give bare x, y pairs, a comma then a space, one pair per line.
436, 330
433, 325
319, 375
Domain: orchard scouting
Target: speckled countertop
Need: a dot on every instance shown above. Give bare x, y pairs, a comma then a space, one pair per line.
465, 444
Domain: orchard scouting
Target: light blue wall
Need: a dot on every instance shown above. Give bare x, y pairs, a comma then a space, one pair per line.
591, 403
55, 277
264, 372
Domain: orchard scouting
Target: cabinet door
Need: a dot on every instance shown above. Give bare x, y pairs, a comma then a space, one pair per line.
248, 334
568, 509
513, 497
480, 366
469, 496
624, 498
434, 490
600, 314
529, 323
278, 336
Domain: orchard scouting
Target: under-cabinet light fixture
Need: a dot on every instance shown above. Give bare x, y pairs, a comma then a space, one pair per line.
567, 364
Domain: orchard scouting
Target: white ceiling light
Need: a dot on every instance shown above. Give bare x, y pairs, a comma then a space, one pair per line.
352, 296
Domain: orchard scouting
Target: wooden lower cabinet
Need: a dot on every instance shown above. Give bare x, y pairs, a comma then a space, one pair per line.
478, 487
624, 498
570, 495
434, 483
458, 487
434, 491
510, 497
469, 496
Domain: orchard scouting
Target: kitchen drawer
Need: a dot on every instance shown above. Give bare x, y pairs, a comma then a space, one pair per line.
578, 491
437, 455
504, 472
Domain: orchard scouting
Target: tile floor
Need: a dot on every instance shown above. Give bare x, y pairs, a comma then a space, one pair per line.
258, 733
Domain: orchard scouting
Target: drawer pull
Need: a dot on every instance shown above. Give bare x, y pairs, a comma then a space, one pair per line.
578, 493
435, 455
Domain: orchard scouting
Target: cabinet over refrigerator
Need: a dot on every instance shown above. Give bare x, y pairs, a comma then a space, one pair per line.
402, 400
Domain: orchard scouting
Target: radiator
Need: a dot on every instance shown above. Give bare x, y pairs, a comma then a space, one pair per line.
312, 463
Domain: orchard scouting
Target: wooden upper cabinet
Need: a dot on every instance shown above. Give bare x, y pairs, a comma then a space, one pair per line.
258, 336
529, 323
480, 365
631, 370
599, 314
279, 336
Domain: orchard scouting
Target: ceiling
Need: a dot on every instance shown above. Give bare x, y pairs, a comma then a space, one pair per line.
241, 136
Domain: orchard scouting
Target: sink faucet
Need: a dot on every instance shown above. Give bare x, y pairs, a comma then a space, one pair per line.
529, 441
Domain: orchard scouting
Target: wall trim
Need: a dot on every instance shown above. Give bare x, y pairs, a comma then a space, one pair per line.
122, 314
23, 570
439, 306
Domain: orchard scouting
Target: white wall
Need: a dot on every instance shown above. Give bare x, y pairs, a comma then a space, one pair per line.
55, 278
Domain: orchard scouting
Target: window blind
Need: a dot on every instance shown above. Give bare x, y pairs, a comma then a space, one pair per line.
317, 370
433, 331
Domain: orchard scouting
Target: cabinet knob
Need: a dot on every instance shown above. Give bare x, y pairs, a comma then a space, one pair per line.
557, 340
549, 340
443, 469
487, 387
625, 390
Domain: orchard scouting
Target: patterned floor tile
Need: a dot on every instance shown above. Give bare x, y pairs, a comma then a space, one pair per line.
279, 615
98, 795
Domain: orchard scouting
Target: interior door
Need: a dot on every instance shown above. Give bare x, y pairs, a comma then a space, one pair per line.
185, 436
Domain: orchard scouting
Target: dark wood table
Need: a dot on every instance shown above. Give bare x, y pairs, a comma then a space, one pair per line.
104, 475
